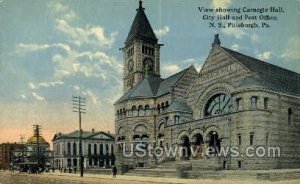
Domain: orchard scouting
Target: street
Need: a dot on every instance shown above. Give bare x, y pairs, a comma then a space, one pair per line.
7, 177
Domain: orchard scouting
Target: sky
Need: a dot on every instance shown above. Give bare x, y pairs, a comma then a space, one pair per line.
52, 50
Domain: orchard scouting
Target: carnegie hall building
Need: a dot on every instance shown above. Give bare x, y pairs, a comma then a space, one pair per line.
234, 101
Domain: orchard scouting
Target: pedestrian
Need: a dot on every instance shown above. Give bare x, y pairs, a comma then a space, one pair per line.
114, 171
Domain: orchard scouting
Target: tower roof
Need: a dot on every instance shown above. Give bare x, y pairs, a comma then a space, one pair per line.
141, 28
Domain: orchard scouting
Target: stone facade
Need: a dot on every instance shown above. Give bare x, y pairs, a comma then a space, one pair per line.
235, 101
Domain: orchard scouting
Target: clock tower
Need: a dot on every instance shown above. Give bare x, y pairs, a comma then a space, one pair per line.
141, 51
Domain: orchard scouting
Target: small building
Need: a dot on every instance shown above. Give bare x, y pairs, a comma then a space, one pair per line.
6, 150
97, 150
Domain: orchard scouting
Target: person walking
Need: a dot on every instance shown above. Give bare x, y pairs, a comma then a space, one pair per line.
114, 171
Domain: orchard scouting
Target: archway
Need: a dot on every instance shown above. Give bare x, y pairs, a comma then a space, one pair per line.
185, 144
213, 142
197, 145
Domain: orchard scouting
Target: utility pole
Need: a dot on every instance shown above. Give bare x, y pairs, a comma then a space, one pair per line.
79, 104
37, 134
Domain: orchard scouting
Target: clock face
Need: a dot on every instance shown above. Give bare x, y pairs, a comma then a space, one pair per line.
130, 66
218, 104
148, 66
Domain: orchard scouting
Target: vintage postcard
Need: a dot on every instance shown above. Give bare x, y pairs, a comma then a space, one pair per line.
149, 91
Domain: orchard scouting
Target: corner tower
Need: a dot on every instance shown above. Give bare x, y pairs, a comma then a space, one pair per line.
141, 51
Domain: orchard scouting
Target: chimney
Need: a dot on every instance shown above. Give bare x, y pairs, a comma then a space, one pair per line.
93, 130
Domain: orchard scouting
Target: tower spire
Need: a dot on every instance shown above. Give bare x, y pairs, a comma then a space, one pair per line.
216, 40
141, 28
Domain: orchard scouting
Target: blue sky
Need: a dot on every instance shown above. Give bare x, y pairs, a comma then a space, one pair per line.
51, 50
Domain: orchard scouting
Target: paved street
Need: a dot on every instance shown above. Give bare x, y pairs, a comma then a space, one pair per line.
57, 178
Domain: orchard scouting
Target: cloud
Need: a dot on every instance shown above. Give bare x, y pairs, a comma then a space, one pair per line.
236, 32
23, 49
37, 97
235, 47
31, 85
79, 36
45, 84
76, 88
92, 96
162, 31
170, 69
264, 56
220, 3
61, 10
254, 38
292, 48
89, 64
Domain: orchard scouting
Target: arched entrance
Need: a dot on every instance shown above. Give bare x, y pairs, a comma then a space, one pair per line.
213, 142
185, 144
197, 145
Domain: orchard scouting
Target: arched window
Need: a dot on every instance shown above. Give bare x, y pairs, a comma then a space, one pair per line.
163, 107
140, 136
290, 114
124, 112
158, 109
95, 149
218, 104
266, 103
167, 104
239, 104
121, 113
251, 138
89, 149
140, 110
176, 119
134, 111
74, 148
69, 148
254, 102
147, 110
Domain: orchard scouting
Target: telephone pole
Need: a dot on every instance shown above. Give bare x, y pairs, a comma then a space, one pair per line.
79, 104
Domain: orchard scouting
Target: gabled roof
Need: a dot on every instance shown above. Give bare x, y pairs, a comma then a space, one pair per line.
100, 135
179, 106
141, 28
268, 75
152, 86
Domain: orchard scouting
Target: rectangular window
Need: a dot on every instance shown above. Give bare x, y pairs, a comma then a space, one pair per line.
239, 139
239, 164
254, 102
251, 138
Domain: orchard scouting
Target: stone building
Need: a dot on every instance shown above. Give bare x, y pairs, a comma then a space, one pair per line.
234, 101
97, 149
